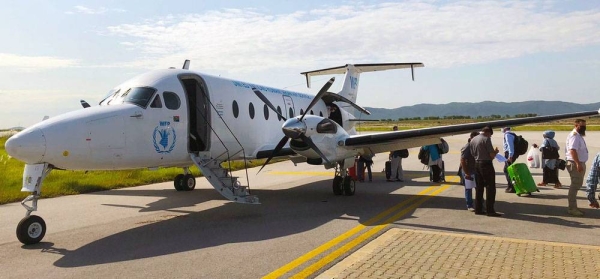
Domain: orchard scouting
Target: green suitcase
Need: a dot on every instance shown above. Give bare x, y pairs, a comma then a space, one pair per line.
522, 180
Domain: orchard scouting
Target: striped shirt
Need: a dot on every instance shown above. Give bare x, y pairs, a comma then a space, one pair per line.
592, 179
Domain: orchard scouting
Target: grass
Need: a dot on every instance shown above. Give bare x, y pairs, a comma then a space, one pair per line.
60, 183
593, 124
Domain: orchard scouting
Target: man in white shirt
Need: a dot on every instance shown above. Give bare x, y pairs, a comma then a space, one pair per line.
576, 156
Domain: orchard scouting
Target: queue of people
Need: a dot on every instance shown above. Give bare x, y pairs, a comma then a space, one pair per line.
477, 169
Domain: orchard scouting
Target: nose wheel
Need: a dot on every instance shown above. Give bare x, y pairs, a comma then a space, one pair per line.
31, 229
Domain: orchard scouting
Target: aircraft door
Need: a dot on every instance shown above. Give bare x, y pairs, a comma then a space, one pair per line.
290, 111
198, 112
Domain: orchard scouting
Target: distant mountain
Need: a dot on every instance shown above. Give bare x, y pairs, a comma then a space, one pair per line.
479, 109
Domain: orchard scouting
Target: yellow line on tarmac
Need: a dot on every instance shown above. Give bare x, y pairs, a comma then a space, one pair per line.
316, 173
348, 246
328, 245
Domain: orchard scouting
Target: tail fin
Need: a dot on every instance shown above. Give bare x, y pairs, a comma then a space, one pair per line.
350, 86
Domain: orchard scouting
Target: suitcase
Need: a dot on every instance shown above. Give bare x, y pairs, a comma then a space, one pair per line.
442, 173
522, 180
388, 169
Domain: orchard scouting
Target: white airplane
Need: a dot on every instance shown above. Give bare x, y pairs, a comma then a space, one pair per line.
180, 118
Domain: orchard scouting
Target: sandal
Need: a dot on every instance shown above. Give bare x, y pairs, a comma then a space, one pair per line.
557, 186
542, 184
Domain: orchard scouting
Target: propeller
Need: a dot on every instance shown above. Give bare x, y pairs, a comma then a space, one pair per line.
294, 128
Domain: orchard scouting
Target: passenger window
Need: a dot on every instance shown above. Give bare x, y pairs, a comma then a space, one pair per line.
321, 113
236, 109
301, 112
156, 103
311, 112
327, 126
291, 113
171, 100
266, 111
251, 110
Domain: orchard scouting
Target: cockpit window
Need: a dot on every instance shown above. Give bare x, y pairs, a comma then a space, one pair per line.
327, 126
138, 96
156, 103
171, 100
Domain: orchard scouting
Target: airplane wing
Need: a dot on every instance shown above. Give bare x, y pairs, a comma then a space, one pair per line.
388, 141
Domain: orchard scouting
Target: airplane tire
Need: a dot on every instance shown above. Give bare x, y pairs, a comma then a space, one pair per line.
337, 185
349, 186
31, 229
178, 182
189, 182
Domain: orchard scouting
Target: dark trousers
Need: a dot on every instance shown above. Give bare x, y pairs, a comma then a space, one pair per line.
485, 178
506, 165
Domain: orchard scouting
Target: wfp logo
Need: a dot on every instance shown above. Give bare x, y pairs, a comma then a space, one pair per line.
164, 137
353, 82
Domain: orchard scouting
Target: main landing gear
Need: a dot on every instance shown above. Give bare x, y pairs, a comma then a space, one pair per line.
32, 228
185, 181
343, 183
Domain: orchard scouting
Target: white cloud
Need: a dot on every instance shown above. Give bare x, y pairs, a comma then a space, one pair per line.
34, 63
439, 34
93, 11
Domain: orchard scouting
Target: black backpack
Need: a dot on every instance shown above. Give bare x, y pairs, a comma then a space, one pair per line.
424, 156
520, 144
403, 153
443, 147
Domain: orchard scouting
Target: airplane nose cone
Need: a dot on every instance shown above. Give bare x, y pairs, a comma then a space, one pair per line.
293, 128
28, 146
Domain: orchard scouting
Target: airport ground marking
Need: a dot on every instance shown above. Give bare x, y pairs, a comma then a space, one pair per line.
360, 239
328, 245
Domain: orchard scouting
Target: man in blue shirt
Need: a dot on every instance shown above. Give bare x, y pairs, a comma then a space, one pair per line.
509, 154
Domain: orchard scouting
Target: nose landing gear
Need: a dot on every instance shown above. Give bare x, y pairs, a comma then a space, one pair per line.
32, 228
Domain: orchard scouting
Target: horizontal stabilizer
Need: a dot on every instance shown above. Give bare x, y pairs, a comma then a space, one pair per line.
361, 68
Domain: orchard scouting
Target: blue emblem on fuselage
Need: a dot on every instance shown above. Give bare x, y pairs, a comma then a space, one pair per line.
164, 137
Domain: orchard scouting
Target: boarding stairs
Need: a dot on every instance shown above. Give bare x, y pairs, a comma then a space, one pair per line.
222, 180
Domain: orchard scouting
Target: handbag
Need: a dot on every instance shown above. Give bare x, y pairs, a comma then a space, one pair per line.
561, 164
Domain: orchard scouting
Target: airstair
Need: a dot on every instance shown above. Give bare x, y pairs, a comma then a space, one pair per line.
222, 180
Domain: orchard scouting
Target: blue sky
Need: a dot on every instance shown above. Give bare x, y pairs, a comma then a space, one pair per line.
54, 53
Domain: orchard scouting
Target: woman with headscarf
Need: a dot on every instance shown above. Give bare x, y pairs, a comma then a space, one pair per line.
549, 149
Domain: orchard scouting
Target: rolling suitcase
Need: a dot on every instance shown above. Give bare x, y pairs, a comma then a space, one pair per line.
522, 180
388, 169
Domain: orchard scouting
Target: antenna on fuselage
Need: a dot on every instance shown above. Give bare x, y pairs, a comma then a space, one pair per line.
186, 64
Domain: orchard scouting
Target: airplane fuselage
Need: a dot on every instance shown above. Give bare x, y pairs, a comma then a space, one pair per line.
158, 118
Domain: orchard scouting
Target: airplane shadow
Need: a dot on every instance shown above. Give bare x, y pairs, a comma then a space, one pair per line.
282, 213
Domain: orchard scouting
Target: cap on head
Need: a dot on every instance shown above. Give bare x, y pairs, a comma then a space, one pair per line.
473, 134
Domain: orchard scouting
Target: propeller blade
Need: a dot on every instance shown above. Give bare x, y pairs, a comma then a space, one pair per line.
312, 145
279, 146
267, 102
84, 104
319, 95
